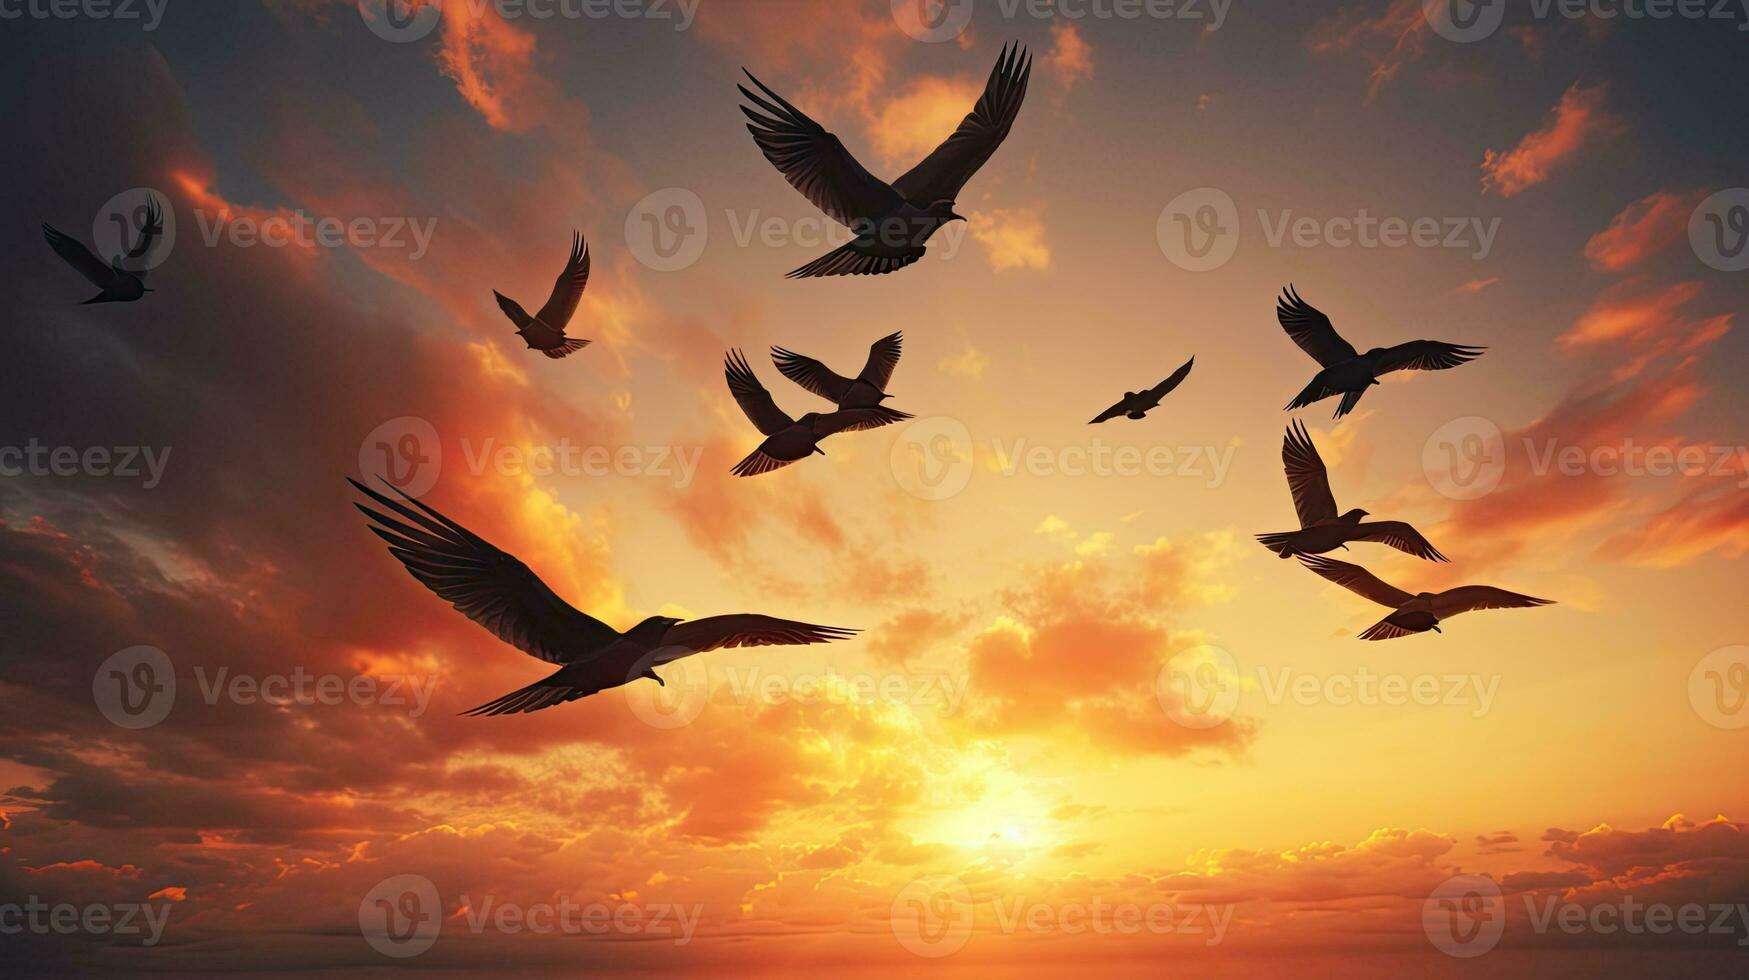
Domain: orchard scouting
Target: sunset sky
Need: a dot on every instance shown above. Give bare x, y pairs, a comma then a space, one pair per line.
1047, 607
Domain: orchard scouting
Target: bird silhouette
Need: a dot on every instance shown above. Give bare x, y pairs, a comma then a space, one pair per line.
891, 222
866, 390
1321, 529
119, 283
1346, 372
492, 588
545, 331
1416, 613
1137, 404
787, 439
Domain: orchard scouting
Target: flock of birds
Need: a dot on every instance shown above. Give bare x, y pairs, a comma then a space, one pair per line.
892, 224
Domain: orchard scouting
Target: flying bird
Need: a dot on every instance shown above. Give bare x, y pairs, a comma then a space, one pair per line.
492, 588
119, 284
892, 222
1347, 373
866, 390
787, 439
545, 331
1137, 404
1416, 613
1321, 529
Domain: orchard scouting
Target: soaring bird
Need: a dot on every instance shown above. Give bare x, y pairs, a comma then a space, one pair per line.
1416, 613
492, 588
1137, 404
866, 390
545, 331
787, 439
1347, 373
119, 283
1321, 529
893, 221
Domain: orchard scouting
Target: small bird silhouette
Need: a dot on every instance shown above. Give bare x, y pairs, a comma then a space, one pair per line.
119, 283
1321, 529
866, 390
1416, 613
1346, 372
893, 221
545, 331
492, 588
787, 439
1137, 404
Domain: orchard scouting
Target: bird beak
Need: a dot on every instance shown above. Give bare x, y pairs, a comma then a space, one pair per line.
651, 674
1436, 629
819, 450
955, 216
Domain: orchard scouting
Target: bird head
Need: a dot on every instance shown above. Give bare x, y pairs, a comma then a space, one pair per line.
1356, 514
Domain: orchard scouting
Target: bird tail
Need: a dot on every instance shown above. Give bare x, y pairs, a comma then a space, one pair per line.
879, 415
567, 348
1349, 400
1313, 392
758, 462
1277, 542
845, 260
99, 298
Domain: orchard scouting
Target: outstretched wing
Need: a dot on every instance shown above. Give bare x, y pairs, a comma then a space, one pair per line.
941, 174
489, 586
79, 257
1110, 413
1357, 580
568, 290
1164, 388
741, 630
1311, 329
1307, 478
856, 420
1400, 536
883, 357
811, 374
814, 161
1469, 598
1425, 355
153, 228
754, 399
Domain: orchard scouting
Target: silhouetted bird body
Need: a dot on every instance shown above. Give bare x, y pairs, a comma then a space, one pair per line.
790, 439
118, 283
866, 390
1349, 373
1418, 612
1137, 404
1321, 528
545, 331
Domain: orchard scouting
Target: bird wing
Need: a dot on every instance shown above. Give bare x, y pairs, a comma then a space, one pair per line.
1468, 598
489, 586
75, 254
811, 374
512, 309
1311, 329
568, 290
1111, 413
814, 161
1357, 580
754, 399
1164, 388
1307, 478
1400, 536
941, 174
149, 233
742, 630
564, 685
883, 357
1425, 355
855, 420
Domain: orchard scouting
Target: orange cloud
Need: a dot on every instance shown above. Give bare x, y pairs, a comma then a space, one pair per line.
1012, 238
1070, 57
1577, 121
1643, 229
1389, 41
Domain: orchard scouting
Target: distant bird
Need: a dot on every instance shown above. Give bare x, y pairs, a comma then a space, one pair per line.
866, 390
1347, 373
118, 282
891, 221
1137, 404
787, 439
1321, 529
1420, 612
545, 331
492, 588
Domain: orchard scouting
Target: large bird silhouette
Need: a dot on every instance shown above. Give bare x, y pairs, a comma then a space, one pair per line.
790, 439
1321, 529
892, 222
1346, 372
492, 588
866, 390
119, 284
1420, 612
545, 331
1137, 404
